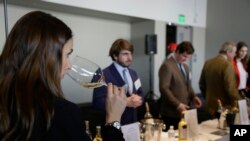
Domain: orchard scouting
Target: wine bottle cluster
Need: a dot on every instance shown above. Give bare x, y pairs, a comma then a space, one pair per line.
98, 136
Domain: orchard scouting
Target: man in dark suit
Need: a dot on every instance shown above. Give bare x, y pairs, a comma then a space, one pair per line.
119, 74
217, 80
177, 94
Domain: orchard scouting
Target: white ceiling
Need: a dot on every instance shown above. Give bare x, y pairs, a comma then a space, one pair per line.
71, 9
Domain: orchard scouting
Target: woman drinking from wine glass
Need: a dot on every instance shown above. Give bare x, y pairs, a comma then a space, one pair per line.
34, 59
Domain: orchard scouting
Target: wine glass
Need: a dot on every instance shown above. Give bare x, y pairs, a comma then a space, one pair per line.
86, 73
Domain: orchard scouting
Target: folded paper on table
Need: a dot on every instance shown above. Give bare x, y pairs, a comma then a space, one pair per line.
131, 132
243, 112
192, 123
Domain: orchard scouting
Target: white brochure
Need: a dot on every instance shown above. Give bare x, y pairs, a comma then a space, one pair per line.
192, 124
243, 112
131, 132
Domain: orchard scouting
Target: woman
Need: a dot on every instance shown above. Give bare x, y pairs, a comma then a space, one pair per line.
34, 59
240, 66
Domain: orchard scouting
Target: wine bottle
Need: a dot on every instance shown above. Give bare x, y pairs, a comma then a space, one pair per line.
219, 109
98, 136
182, 128
235, 108
147, 114
171, 132
87, 129
233, 117
148, 117
222, 119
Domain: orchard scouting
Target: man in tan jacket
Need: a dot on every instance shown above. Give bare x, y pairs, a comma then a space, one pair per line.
177, 94
217, 80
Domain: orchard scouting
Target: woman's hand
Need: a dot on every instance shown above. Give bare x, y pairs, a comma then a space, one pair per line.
116, 102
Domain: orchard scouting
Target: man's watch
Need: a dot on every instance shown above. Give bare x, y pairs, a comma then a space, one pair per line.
115, 124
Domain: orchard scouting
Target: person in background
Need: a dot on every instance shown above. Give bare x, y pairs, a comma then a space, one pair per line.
34, 59
217, 80
120, 74
240, 67
177, 94
171, 49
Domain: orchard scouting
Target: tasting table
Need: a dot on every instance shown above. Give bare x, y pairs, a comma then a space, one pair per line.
208, 131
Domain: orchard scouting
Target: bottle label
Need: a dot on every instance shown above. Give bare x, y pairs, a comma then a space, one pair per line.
183, 133
171, 134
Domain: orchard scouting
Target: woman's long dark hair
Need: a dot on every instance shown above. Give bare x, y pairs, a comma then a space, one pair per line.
245, 59
30, 74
